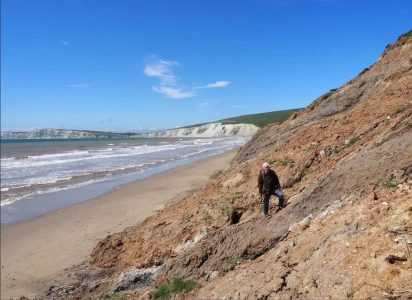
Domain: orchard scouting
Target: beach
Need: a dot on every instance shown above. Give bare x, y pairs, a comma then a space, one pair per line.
35, 253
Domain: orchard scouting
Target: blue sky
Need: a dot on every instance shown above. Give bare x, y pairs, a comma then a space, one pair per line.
131, 65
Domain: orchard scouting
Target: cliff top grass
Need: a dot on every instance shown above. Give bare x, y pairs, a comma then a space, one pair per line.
260, 120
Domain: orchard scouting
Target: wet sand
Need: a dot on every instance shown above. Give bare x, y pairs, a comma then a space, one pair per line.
35, 252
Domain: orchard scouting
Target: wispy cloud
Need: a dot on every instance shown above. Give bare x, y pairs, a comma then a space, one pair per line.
64, 43
78, 85
172, 92
238, 106
169, 82
162, 69
216, 84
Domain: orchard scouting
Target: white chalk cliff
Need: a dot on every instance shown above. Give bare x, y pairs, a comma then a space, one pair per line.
216, 129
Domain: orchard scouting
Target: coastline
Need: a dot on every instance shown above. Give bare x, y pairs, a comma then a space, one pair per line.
35, 252
38, 179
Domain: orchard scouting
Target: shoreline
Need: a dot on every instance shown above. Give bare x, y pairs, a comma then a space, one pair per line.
39, 204
35, 252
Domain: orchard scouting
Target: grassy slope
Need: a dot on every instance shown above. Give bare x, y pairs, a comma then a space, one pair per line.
260, 120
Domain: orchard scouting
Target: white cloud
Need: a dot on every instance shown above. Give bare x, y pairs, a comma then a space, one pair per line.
238, 106
168, 86
162, 69
175, 93
216, 84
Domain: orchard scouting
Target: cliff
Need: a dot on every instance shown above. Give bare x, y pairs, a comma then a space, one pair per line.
50, 133
215, 129
345, 165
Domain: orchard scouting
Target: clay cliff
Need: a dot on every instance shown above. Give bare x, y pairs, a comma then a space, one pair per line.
345, 164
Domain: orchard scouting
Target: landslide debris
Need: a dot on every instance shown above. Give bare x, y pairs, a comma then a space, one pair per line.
345, 163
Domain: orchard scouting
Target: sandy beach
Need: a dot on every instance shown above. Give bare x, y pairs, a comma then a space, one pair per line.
36, 252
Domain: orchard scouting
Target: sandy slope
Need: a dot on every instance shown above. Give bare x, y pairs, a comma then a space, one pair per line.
35, 252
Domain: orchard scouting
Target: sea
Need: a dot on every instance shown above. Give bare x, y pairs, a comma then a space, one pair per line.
38, 176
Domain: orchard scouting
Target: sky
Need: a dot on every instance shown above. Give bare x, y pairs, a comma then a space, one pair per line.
134, 65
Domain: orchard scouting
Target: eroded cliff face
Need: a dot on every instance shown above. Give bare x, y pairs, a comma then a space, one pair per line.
381, 82
345, 163
216, 129
49, 133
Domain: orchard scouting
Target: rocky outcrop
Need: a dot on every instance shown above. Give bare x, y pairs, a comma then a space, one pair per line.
216, 129
135, 278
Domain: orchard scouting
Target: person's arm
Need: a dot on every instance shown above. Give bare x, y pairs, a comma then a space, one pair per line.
260, 183
276, 180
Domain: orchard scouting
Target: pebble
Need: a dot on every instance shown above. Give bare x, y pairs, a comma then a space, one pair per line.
214, 274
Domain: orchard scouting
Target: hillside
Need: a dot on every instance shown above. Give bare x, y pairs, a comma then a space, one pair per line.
262, 119
345, 164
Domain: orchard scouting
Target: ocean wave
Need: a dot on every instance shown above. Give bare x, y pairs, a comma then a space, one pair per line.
75, 175
46, 173
13, 199
45, 160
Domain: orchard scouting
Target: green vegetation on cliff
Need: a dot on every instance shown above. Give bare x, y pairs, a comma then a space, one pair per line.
259, 120
262, 119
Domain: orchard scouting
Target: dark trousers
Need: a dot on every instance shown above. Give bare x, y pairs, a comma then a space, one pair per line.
266, 198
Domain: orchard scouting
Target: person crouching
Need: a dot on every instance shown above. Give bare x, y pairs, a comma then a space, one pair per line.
268, 183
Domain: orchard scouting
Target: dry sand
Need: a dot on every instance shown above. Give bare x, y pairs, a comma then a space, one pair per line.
35, 252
